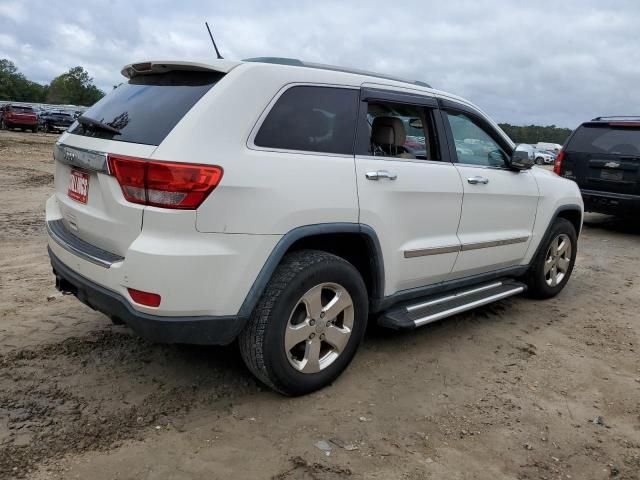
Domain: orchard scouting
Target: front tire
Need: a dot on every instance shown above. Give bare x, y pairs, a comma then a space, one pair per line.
308, 323
552, 266
539, 161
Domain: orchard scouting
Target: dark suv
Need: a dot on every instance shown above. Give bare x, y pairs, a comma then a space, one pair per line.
603, 157
54, 121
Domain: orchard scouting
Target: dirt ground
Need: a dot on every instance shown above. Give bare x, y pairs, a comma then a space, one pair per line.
520, 390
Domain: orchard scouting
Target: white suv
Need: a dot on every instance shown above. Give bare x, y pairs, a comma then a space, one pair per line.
285, 203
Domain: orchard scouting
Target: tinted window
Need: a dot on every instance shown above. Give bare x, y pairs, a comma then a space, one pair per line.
19, 109
313, 119
147, 107
606, 139
400, 130
474, 145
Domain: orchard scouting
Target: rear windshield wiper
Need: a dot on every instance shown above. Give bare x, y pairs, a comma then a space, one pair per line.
90, 122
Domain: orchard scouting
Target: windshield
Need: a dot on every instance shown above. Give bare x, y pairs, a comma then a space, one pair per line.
147, 107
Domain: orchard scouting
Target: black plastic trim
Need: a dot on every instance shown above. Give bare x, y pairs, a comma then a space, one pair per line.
605, 194
367, 94
611, 203
201, 330
299, 233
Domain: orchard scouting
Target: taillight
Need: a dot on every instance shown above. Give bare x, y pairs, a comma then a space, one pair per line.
164, 184
557, 165
144, 298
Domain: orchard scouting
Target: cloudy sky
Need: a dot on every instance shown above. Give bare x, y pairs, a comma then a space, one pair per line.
544, 62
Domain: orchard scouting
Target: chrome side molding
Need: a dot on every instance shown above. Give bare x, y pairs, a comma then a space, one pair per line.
423, 252
493, 243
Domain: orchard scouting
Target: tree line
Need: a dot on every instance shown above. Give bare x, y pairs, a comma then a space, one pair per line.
536, 133
74, 87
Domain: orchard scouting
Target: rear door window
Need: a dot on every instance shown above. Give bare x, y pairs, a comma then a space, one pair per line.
400, 130
311, 119
147, 107
606, 139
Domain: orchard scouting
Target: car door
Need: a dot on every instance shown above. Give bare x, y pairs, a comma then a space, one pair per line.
499, 204
409, 191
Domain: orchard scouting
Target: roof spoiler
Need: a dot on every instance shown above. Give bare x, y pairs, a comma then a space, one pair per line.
617, 117
155, 67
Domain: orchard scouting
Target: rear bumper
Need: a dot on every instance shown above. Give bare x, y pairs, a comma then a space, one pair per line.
611, 203
202, 330
21, 123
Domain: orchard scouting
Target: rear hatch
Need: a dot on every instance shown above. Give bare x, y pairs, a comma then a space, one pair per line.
22, 115
604, 156
60, 119
131, 121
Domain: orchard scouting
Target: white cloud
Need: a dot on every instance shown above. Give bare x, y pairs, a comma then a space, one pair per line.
13, 11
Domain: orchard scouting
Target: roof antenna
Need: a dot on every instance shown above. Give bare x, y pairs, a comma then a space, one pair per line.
213, 41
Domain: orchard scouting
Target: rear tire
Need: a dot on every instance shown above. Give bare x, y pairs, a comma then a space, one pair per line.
307, 325
551, 268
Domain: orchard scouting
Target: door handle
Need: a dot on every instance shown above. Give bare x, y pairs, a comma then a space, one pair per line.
478, 180
377, 175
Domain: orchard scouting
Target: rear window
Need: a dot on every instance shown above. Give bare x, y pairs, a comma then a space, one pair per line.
312, 119
21, 109
606, 139
147, 107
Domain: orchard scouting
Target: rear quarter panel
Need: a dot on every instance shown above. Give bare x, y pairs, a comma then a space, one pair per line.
261, 192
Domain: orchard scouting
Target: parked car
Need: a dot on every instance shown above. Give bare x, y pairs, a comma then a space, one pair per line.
544, 158
551, 147
18, 116
277, 204
56, 120
603, 157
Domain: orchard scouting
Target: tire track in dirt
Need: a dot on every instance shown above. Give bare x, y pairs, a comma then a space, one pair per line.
52, 408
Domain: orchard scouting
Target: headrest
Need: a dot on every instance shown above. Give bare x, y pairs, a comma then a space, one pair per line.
388, 131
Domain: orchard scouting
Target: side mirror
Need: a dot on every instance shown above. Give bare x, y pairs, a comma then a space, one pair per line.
520, 160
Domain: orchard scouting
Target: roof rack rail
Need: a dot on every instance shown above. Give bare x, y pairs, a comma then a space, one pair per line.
636, 117
299, 63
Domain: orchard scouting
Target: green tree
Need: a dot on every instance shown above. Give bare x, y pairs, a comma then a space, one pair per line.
536, 133
15, 86
74, 87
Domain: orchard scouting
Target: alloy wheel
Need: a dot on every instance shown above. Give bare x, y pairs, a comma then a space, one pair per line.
557, 260
319, 328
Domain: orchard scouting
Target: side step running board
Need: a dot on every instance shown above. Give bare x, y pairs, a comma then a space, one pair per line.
420, 312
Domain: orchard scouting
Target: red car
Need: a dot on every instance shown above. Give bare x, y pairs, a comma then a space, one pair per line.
18, 116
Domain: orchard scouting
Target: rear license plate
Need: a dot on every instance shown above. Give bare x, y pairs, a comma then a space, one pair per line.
78, 186
611, 175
